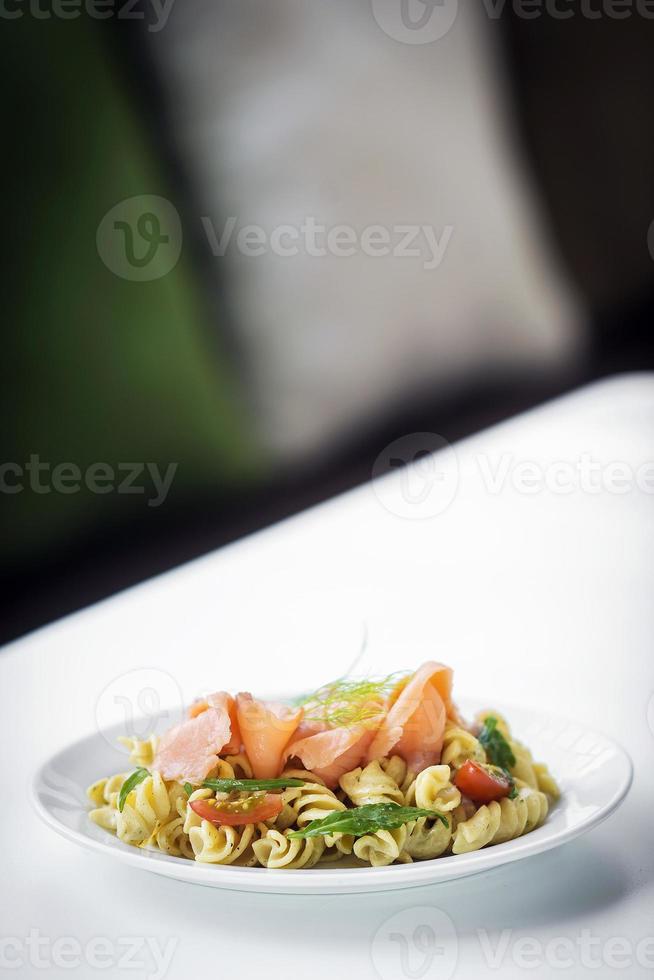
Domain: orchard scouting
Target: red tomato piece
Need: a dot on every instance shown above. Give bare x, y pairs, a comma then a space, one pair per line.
252, 809
481, 784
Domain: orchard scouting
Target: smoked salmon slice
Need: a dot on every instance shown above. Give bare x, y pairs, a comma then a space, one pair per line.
332, 752
224, 701
266, 728
415, 722
188, 752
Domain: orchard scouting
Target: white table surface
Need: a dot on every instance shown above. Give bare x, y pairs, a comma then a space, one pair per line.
539, 598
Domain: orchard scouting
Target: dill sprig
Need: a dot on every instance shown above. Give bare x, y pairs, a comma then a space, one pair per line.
346, 702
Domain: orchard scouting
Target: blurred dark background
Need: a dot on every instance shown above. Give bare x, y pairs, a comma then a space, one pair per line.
270, 383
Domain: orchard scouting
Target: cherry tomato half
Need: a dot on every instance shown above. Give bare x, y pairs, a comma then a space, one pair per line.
249, 810
482, 784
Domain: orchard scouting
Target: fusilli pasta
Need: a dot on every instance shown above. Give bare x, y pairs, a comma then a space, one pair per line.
427, 839
381, 848
371, 785
460, 745
501, 821
433, 789
141, 751
221, 845
419, 791
274, 849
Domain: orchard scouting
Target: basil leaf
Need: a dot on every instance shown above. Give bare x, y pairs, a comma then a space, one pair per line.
188, 789
497, 748
249, 785
366, 820
137, 777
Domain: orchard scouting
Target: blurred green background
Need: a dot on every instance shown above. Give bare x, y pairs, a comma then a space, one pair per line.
96, 367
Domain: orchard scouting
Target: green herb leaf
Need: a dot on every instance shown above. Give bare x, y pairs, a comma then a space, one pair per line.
497, 748
366, 820
249, 785
137, 777
513, 795
188, 789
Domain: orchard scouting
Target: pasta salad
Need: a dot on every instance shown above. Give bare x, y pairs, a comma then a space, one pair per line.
373, 771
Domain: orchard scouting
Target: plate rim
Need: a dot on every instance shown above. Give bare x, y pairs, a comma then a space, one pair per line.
344, 880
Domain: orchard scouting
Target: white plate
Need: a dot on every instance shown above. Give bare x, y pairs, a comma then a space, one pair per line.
593, 771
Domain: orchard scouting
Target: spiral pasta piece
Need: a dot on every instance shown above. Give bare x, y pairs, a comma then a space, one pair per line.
381, 848
105, 817
371, 785
343, 843
274, 849
309, 777
546, 781
460, 745
537, 805
222, 770
191, 818
463, 811
178, 799
114, 786
104, 794
302, 804
141, 751
231, 767
146, 806
501, 821
313, 801
96, 792
105, 791
521, 815
171, 839
513, 820
523, 768
220, 845
240, 765
478, 830
433, 789
397, 769
427, 839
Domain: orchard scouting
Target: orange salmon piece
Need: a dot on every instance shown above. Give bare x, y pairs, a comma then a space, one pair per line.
266, 727
415, 723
